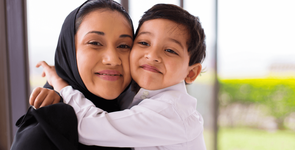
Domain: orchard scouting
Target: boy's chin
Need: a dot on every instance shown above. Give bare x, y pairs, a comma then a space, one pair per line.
150, 86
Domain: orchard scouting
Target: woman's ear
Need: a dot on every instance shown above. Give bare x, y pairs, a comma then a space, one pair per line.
193, 72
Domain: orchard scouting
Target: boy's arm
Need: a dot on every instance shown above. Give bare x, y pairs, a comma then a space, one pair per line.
53, 79
141, 126
41, 97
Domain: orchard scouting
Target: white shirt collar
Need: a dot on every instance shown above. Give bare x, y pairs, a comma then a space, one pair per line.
144, 93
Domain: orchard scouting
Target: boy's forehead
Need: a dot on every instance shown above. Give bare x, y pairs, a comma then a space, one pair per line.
157, 26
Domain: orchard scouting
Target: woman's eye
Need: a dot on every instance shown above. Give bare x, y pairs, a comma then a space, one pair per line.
94, 43
144, 43
171, 51
124, 46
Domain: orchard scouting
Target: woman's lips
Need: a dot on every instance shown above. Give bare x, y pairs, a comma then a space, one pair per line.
109, 75
150, 68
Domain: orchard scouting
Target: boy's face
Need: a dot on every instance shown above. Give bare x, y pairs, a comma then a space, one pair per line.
159, 57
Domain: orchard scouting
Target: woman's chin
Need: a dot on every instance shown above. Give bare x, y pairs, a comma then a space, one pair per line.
110, 98
109, 95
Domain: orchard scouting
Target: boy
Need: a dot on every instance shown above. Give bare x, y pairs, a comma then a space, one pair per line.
167, 53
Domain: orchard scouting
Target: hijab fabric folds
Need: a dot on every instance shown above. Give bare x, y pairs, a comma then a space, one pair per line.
66, 64
36, 131
66, 67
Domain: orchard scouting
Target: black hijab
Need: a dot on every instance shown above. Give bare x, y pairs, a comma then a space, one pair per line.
66, 64
66, 68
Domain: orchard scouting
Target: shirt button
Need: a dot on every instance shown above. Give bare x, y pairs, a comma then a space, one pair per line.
146, 93
142, 96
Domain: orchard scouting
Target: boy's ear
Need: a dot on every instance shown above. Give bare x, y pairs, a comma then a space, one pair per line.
193, 73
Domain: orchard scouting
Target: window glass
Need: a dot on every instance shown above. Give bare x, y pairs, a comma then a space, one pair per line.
256, 63
203, 87
254, 36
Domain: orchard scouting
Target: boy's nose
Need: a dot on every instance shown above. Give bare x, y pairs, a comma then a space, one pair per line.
111, 57
153, 55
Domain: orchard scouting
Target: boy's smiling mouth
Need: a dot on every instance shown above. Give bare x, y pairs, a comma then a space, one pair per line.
150, 68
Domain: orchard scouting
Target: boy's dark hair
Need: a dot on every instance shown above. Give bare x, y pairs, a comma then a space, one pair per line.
196, 43
92, 5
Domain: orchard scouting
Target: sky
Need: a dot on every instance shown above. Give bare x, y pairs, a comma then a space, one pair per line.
252, 34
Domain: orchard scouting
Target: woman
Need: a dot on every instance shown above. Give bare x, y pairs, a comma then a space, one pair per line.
92, 55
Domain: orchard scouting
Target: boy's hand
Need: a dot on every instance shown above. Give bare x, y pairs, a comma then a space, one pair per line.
48, 71
41, 97
53, 79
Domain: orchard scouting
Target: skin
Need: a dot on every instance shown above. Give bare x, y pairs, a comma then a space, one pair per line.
103, 51
159, 57
103, 43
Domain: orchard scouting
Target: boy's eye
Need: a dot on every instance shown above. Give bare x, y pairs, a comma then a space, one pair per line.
94, 43
144, 43
124, 46
171, 51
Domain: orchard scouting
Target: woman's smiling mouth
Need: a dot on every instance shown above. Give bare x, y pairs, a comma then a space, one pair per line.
109, 75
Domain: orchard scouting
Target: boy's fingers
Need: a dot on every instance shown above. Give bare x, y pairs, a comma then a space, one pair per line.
34, 94
39, 64
39, 99
43, 74
49, 99
43, 64
57, 99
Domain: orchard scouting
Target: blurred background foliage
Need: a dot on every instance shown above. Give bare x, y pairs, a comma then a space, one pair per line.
275, 96
257, 114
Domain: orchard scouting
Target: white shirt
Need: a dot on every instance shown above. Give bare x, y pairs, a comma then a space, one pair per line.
162, 119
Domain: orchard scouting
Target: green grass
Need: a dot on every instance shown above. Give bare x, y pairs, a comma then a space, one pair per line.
254, 139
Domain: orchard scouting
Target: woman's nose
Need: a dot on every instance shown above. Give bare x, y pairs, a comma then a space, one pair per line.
153, 55
111, 57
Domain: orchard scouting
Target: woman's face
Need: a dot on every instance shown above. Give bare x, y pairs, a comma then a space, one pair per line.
103, 44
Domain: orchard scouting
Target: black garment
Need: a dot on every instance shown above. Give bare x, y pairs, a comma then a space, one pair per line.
66, 68
66, 64
41, 129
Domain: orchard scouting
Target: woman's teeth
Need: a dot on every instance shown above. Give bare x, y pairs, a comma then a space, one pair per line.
108, 74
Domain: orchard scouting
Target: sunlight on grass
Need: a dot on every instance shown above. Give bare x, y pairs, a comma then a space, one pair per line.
254, 139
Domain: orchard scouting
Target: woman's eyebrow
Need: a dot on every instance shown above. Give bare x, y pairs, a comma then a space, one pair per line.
96, 32
102, 33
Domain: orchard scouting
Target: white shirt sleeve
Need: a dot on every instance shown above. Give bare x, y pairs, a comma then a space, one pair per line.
141, 126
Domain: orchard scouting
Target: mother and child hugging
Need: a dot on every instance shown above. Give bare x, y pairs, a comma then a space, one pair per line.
115, 88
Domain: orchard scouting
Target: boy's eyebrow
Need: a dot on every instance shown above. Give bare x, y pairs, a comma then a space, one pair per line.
176, 41
171, 39
144, 32
102, 33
